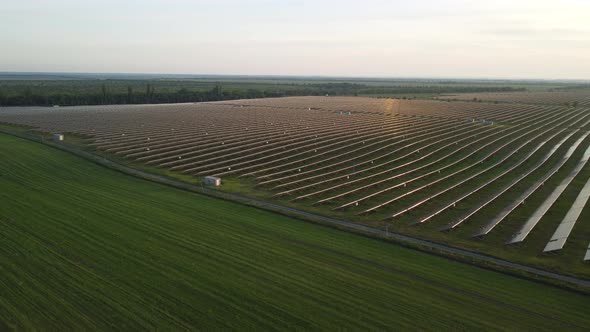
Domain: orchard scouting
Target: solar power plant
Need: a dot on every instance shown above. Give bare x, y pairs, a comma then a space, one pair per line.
419, 166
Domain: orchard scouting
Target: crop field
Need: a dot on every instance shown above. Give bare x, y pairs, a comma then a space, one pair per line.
572, 97
87, 248
504, 179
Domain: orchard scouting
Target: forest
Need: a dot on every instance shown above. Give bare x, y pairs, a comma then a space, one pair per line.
142, 91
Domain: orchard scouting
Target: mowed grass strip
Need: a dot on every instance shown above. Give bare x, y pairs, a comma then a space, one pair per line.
83, 247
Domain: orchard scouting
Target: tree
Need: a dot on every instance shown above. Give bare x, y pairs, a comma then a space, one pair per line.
149, 92
129, 94
218, 90
28, 95
103, 89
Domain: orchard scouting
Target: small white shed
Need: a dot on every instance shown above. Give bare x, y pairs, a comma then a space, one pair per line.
58, 138
212, 181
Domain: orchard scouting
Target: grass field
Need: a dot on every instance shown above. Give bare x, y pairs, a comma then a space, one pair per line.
88, 248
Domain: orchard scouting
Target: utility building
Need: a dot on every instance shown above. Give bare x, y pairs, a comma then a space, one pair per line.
58, 138
212, 181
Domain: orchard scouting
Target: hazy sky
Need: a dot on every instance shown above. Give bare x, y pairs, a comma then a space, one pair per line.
446, 38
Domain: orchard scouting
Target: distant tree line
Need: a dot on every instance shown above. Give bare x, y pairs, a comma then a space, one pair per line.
583, 86
437, 89
151, 95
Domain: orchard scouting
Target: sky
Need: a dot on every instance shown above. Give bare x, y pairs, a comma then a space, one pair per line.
535, 39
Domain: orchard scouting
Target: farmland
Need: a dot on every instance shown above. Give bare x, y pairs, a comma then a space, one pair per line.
475, 175
87, 248
567, 97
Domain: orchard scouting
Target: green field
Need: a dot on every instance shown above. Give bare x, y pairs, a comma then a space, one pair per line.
86, 248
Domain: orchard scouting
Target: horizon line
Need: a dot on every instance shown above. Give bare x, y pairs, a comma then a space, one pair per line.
418, 77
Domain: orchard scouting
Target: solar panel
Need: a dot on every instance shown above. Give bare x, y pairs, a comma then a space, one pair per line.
540, 212
567, 224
